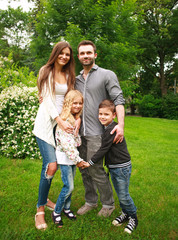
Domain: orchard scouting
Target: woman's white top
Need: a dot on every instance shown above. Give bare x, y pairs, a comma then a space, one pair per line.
60, 91
48, 110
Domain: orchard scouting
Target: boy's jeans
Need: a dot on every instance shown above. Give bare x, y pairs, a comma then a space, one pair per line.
120, 179
64, 199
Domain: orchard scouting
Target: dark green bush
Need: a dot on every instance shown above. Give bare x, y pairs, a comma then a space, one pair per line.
170, 106
166, 107
149, 106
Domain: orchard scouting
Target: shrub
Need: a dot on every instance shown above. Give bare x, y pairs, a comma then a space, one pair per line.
18, 109
131, 94
170, 106
11, 74
150, 106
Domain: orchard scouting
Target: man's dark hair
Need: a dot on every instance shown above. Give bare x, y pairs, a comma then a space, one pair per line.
87, 42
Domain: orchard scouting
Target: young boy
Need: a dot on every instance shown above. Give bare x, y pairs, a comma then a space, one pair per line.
117, 159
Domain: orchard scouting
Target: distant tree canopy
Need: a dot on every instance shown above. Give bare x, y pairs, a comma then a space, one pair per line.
13, 31
109, 24
159, 41
137, 39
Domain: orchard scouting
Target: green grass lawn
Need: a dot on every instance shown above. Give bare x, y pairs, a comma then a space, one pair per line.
153, 145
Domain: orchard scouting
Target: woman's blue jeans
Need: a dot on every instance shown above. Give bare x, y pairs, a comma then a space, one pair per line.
120, 178
48, 154
64, 199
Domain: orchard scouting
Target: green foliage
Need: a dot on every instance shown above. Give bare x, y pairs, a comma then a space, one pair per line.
158, 22
170, 106
14, 34
11, 74
127, 34
131, 94
18, 109
166, 107
150, 106
109, 24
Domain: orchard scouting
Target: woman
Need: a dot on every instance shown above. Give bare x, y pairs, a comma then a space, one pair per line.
55, 79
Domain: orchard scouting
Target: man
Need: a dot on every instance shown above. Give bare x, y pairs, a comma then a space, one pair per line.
96, 84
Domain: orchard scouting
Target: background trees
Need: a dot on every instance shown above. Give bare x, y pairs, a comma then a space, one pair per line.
14, 29
136, 39
159, 24
108, 23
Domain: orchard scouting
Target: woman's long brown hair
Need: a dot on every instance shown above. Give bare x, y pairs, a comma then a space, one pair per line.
69, 69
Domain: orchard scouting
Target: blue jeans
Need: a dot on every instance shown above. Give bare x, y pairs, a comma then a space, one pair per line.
120, 178
48, 154
64, 199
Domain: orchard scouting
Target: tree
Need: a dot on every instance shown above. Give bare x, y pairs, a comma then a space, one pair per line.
159, 24
110, 24
13, 32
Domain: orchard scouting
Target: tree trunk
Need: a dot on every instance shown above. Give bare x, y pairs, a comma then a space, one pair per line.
162, 76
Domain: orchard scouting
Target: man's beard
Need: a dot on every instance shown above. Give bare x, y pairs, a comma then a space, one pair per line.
88, 63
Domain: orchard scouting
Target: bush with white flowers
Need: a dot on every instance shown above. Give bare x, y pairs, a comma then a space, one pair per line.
18, 109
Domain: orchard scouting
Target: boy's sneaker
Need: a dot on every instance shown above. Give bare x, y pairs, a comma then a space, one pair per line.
133, 222
120, 220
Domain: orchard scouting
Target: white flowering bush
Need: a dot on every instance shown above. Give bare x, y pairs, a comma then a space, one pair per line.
18, 109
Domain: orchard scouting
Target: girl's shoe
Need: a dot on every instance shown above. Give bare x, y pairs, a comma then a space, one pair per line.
57, 219
69, 214
49, 207
42, 226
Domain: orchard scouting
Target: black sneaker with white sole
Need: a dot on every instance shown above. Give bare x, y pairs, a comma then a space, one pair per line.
120, 219
132, 224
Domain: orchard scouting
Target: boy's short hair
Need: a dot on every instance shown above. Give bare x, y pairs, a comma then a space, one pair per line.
108, 104
87, 42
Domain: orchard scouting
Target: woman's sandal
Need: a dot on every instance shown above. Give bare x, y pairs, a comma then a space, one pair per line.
50, 208
69, 214
41, 226
57, 219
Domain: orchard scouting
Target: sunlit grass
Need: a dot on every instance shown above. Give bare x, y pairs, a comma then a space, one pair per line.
152, 144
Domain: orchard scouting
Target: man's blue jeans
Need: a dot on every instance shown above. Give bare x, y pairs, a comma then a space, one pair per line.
48, 154
64, 199
120, 179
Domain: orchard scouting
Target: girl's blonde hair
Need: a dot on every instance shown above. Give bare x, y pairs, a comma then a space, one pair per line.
67, 105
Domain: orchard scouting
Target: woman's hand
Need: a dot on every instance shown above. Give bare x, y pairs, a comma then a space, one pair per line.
64, 125
77, 126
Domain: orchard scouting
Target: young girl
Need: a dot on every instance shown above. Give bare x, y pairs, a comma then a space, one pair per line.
67, 154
